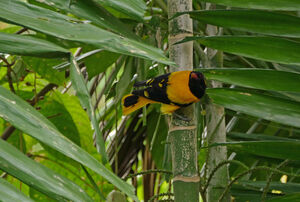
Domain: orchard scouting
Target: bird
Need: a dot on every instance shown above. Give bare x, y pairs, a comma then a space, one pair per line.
173, 91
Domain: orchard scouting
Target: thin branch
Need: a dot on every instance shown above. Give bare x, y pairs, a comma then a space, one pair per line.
148, 172
219, 166
264, 195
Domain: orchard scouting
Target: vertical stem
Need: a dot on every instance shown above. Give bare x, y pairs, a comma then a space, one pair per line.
216, 132
182, 134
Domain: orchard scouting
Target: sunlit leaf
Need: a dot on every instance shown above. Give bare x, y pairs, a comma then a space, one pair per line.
82, 93
10, 193
72, 29
26, 118
19, 45
52, 184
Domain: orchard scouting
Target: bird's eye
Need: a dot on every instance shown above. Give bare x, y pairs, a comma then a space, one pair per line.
194, 75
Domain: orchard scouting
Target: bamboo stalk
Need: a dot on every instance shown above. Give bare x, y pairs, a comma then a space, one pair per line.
182, 134
216, 132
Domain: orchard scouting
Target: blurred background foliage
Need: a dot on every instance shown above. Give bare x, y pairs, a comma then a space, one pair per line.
53, 50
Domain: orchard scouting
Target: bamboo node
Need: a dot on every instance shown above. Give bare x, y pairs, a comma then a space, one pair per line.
186, 179
174, 128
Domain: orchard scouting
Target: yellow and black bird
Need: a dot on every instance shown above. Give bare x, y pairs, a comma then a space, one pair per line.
172, 90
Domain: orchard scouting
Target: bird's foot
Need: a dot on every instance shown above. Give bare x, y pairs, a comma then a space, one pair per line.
181, 117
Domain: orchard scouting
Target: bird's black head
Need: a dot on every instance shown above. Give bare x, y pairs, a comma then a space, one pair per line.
197, 84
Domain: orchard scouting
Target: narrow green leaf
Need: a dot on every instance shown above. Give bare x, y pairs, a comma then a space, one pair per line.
258, 47
290, 5
10, 193
124, 82
133, 8
256, 21
38, 176
273, 149
26, 118
72, 29
256, 78
252, 136
30, 46
288, 187
255, 104
295, 197
83, 94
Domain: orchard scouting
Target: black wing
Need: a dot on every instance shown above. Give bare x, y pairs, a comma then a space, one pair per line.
156, 89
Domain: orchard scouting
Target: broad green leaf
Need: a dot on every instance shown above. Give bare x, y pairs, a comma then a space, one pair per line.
256, 21
99, 62
61, 118
90, 10
9, 193
259, 105
82, 93
273, 149
133, 8
256, 78
295, 197
30, 46
41, 178
72, 29
290, 5
258, 47
43, 67
26, 118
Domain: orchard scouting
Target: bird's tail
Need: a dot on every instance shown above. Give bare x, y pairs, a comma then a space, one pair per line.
132, 102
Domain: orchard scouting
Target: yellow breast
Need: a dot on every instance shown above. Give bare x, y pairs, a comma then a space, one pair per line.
178, 88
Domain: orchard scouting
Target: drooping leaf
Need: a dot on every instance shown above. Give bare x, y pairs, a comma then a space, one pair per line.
92, 11
291, 5
133, 8
30, 46
10, 193
26, 118
258, 47
256, 21
34, 174
72, 29
85, 100
259, 105
255, 78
